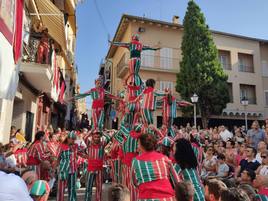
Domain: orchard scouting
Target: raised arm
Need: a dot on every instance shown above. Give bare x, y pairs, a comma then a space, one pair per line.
108, 94
83, 95
119, 44
145, 47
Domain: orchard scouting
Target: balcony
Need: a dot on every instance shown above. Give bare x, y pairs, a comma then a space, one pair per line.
36, 69
149, 63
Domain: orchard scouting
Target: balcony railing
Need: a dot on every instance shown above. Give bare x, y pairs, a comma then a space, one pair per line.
37, 50
245, 68
150, 62
226, 66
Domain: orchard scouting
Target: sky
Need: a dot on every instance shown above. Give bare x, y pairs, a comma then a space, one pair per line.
98, 19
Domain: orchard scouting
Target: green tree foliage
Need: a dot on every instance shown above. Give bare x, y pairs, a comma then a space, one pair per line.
200, 69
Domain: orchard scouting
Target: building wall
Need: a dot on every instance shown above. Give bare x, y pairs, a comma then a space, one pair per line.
25, 101
235, 46
167, 37
7, 70
264, 63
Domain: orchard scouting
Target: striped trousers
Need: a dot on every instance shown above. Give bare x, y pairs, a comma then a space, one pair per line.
116, 170
91, 177
147, 116
71, 184
126, 181
98, 118
134, 68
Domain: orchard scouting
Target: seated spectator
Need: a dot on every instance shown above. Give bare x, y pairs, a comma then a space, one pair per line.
213, 188
261, 148
29, 178
241, 152
261, 183
263, 168
230, 153
222, 167
247, 176
225, 134
239, 136
249, 190
248, 163
13, 188
234, 194
184, 191
209, 164
118, 193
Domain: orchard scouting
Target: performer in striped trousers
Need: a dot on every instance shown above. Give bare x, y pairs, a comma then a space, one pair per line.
95, 151
152, 172
129, 141
187, 162
37, 154
115, 162
135, 47
68, 168
97, 94
148, 104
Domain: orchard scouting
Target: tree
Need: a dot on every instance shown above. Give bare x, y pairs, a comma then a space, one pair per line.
200, 69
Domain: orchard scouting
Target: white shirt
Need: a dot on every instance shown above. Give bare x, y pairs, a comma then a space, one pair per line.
225, 135
13, 188
258, 158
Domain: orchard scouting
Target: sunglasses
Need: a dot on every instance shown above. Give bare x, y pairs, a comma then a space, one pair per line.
263, 156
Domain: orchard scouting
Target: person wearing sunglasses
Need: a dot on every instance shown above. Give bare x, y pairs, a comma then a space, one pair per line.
263, 169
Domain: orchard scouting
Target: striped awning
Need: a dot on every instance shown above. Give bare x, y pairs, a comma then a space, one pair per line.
53, 19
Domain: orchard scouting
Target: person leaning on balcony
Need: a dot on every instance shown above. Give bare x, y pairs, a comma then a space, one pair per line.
43, 48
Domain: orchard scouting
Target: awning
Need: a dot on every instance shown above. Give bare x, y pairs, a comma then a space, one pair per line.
53, 19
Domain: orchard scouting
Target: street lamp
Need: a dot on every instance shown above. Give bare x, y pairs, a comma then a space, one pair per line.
194, 100
244, 102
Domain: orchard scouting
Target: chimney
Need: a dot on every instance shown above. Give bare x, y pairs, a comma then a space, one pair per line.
175, 19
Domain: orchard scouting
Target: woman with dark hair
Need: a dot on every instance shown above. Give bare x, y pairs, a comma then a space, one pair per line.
37, 156
186, 159
152, 172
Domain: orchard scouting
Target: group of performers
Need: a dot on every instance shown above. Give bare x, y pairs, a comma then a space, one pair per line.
136, 105
136, 134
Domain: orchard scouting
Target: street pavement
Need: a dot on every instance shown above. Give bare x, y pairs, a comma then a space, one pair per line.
81, 194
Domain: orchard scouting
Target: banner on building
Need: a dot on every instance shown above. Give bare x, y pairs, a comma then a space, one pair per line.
7, 19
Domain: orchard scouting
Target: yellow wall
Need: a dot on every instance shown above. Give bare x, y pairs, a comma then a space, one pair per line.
168, 37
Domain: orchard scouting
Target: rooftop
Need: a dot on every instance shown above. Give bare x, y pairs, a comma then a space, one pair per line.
125, 19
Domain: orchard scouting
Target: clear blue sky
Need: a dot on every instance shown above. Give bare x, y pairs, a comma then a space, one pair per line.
243, 17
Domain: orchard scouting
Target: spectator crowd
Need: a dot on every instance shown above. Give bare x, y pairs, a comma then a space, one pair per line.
193, 165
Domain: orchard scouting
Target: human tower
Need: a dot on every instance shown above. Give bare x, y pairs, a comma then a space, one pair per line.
137, 103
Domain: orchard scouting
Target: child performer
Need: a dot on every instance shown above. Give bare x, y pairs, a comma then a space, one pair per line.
97, 94
68, 168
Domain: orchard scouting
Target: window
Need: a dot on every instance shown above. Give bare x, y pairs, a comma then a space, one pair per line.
166, 58
245, 63
248, 91
147, 58
264, 65
266, 97
225, 59
230, 91
166, 84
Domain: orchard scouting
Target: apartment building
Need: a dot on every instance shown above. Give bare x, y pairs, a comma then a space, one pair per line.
244, 59
47, 73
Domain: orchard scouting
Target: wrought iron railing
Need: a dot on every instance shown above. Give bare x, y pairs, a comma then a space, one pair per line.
151, 62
